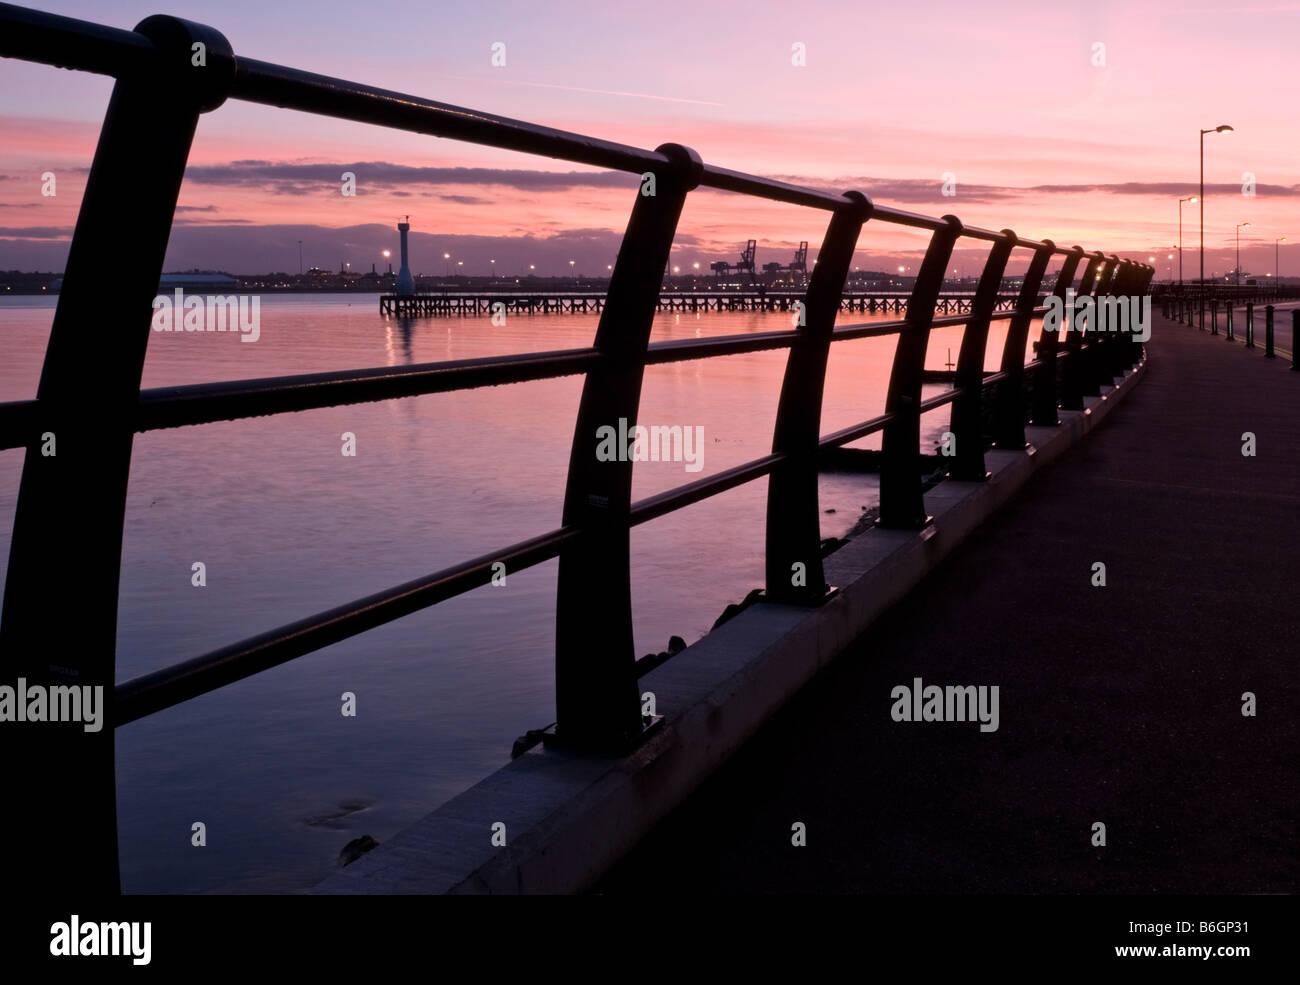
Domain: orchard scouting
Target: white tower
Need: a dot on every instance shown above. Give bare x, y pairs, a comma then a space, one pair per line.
405, 282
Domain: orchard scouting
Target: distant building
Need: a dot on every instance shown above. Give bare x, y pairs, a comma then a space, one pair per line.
198, 282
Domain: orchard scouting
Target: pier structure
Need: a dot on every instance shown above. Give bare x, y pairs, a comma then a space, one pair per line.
467, 303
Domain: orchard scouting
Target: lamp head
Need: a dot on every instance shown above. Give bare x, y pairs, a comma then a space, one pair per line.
1223, 128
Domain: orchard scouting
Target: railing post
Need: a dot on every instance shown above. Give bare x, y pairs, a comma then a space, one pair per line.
1121, 285
902, 505
58, 632
1268, 332
1107, 362
1214, 316
1072, 374
1295, 340
1009, 406
1228, 316
1138, 286
794, 564
597, 704
1043, 399
967, 406
1250, 324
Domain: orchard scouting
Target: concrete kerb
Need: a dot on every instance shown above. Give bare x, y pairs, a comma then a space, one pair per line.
569, 817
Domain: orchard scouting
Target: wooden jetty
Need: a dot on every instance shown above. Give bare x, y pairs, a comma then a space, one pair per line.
464, 304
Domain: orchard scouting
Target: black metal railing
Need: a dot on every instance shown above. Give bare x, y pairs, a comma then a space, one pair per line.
60, 605
1185, 310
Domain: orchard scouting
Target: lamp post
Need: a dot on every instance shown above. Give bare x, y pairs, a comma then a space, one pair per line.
1277, 270
1221, 128
1189, 198
446, 265
1239, 226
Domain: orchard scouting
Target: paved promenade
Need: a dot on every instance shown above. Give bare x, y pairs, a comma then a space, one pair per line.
1119, 704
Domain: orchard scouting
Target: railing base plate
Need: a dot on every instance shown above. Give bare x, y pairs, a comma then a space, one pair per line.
808, 603
552, 738
914, 525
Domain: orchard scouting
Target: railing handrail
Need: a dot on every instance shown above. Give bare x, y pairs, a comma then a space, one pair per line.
94, 399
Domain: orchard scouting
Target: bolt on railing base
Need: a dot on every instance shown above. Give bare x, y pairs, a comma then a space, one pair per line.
553, 738
958, 476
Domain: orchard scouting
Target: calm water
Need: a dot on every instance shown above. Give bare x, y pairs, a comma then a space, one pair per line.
287, 527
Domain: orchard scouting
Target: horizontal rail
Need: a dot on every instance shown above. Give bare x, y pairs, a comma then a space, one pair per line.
149, 693
188, 679
205, 403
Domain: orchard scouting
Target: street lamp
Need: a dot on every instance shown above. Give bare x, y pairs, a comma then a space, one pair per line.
1189, 198
1239, 225
1221, 128
387, 254
446, 266
1277, 271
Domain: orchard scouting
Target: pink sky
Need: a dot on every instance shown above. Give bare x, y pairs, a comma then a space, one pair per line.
1006, 97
